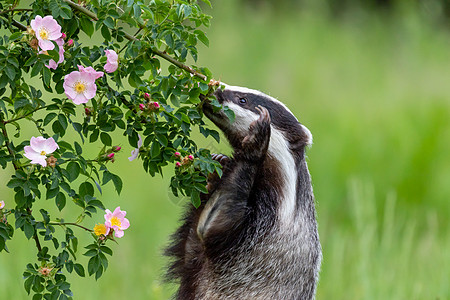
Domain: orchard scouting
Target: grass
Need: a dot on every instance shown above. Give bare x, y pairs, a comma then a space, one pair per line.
373, 90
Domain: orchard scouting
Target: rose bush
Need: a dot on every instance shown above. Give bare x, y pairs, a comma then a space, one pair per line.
113, 85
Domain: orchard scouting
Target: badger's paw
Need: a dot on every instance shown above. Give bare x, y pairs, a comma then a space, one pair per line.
255, 143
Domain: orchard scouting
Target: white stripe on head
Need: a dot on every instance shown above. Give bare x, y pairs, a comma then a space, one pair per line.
244, 117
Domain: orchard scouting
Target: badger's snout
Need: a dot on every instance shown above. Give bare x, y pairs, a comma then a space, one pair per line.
219, 95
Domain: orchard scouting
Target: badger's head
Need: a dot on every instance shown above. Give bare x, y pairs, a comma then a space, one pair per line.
244, 102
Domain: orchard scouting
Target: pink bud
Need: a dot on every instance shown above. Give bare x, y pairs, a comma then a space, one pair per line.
147, 96
111, 155
191, 157
141, 106
63, 35
156, 105
88, 111
116, 148
178, 164
177, 154
70, 43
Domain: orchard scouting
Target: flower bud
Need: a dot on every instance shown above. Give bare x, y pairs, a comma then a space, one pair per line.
147, 96
63, 36
156, 105
177, 164
142, 106
191, 157
116, 148
177, 154
110, 155
70, 43
88, 111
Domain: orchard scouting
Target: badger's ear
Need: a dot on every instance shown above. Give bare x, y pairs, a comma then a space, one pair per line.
308, 138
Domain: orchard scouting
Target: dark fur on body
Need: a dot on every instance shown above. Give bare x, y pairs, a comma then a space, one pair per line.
237, 245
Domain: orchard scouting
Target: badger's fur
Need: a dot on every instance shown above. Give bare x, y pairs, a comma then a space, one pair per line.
255, 234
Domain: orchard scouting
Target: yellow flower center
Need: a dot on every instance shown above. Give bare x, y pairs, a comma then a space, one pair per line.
43, 33
100, 229
43, 152
79, 87
115, 222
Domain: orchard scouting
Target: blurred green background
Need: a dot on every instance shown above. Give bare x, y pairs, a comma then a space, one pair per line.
372, 83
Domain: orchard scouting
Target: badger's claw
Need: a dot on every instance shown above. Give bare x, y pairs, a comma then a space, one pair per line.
221, 158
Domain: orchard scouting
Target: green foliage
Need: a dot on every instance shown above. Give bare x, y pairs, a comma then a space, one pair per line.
160, 109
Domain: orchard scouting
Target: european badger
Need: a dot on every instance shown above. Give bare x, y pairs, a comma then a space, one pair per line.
255, 234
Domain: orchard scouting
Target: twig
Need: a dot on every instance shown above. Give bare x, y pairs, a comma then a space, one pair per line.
15, 9
24, 116
35, 236
73, 224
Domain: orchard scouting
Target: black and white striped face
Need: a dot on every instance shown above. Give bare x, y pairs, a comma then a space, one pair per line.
243, 102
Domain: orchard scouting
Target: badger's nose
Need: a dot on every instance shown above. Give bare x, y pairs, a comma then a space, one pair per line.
219, 95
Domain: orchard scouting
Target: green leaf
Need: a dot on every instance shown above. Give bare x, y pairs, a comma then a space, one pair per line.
48, 118
106, 139
10, 72
86, 188
73, 169
87, 26
105, 33
117, 183
28, 229
36, 68
79, 269
202, 37
15, 36
60, 201
46, 75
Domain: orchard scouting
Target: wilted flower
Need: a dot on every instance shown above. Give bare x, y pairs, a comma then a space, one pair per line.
117, 221
90, 70
135, 152
45, 271
112, 61
101, 229
51, 161
80, 86
39, 148
2, 204
46, 30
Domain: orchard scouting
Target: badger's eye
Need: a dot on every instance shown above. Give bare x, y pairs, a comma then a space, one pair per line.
242, 100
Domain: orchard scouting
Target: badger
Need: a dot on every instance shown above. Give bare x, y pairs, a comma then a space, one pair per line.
254, 235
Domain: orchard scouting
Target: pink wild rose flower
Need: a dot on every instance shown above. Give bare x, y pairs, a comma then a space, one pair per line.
79, 86
52, 64
46, 30
39, 148
135, 152
112, 61
2, 204
116, 220
90, 70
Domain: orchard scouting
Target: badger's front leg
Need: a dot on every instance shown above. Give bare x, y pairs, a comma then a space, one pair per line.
227, 207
